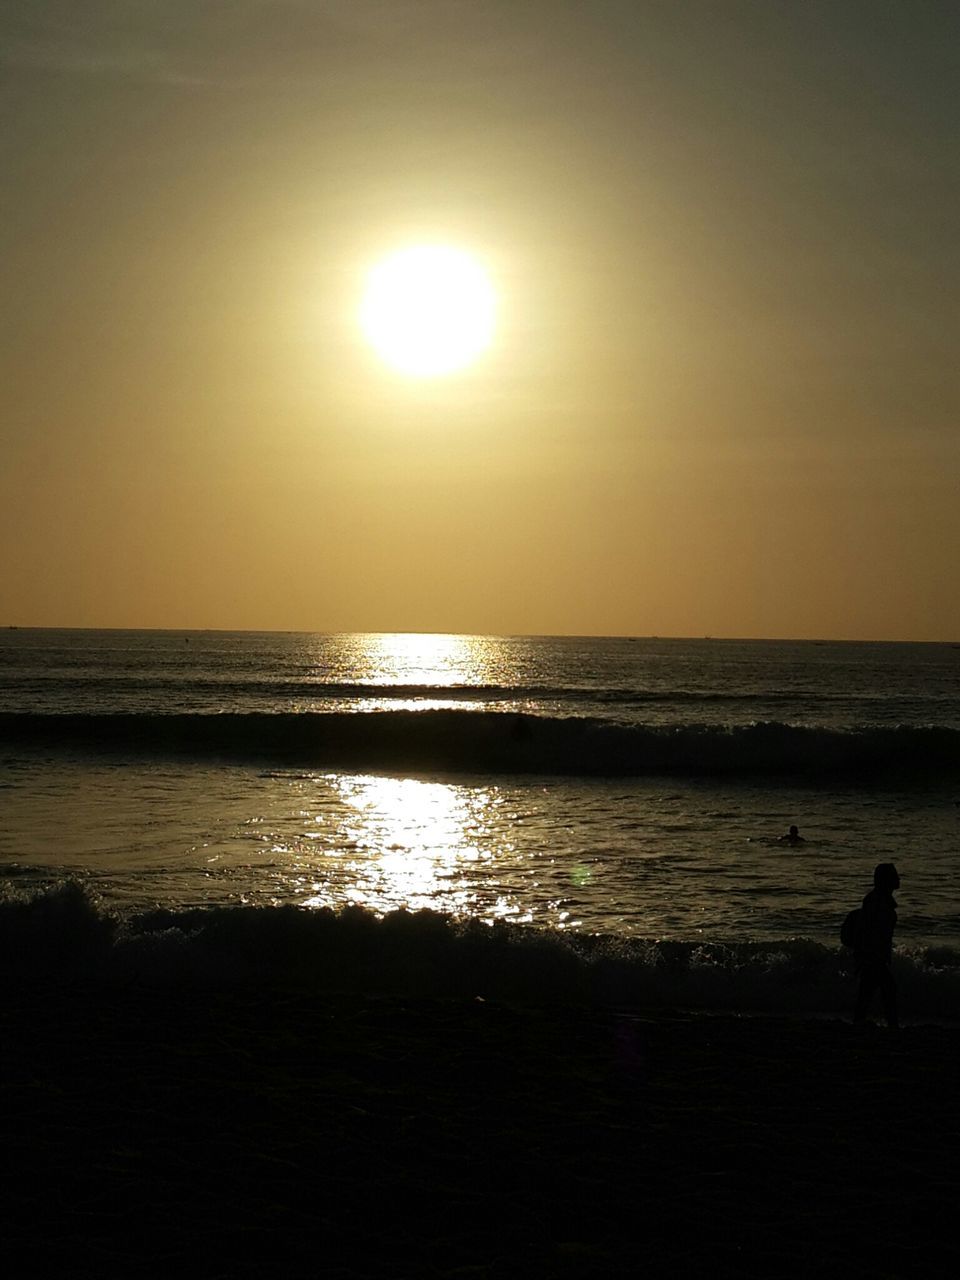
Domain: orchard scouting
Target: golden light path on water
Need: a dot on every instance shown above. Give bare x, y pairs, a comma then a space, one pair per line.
440, 660
385, 842
417, 844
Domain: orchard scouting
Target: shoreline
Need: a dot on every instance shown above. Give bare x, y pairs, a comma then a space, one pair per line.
232, 1131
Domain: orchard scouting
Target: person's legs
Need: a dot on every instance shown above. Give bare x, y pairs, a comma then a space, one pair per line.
869, 981
888, 997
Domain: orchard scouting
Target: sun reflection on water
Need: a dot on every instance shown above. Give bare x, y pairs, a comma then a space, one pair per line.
387, 842
410, 658
411, 843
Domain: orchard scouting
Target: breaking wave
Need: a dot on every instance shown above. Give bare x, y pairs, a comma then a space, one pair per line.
64, 933
485, 741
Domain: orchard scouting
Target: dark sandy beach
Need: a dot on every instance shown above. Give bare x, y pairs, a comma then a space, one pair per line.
272, 1131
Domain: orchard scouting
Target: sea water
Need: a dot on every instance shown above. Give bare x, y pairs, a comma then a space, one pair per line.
630, 791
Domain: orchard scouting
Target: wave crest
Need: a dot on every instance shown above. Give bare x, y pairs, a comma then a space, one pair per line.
501, 743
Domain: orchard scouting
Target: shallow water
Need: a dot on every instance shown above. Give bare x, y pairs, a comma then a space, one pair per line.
653, 858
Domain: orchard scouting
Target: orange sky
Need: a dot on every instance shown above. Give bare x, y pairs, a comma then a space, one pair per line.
722, 397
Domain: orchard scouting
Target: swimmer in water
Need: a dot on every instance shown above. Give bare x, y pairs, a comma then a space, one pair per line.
793, 836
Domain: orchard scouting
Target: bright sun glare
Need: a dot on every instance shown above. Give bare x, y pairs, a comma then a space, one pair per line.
428, 310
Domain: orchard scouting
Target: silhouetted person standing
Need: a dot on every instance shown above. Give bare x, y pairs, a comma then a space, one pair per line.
875, 948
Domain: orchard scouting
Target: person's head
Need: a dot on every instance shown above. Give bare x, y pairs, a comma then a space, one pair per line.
794, 832
885, 877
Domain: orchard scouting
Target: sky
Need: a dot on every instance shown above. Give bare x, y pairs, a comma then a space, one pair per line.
722, 393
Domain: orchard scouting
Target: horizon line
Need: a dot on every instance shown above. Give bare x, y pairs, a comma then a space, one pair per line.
505, 635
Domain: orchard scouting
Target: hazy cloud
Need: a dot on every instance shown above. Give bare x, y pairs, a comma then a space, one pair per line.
224, 42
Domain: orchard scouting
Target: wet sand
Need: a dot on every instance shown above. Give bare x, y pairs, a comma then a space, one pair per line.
266, 1131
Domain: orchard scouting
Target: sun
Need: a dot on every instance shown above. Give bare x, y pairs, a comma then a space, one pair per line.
428, 310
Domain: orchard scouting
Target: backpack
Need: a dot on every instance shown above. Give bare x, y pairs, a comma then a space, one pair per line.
851, 931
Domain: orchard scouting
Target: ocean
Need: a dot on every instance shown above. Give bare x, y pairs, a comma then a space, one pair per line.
612, 804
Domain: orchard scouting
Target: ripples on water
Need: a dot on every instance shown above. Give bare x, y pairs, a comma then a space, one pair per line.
647, 680
637, 857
